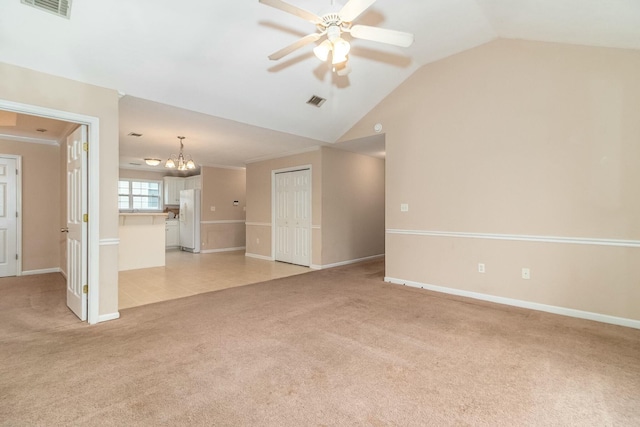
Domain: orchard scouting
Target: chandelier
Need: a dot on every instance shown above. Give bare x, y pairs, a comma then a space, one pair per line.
180, 162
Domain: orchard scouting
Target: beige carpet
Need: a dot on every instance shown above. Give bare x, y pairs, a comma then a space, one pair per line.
336, 347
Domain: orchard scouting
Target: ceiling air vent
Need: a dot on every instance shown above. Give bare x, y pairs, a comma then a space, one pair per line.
316, 100
59, 7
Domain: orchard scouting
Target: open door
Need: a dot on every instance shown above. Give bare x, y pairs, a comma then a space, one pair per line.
77, 222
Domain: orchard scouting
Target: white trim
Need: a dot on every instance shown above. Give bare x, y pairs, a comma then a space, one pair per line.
291, 169
109, 242
631, 323
224, 221
20, 214
285, 154
215, 166
521, 237
259, 224
30, 139
93, 124
266, 258
64, 273
213, 251
107, 317
341, 263
43, 271
315, 227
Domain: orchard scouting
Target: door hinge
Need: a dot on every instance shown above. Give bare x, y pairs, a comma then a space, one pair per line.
17, 172
85, 146
16, 214
85, 218
16, 256
85, 289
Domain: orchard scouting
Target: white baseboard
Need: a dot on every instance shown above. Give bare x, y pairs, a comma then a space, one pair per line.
604, 318
341, 263
64, 274
42, 271
213, 251
107, 317
263, 257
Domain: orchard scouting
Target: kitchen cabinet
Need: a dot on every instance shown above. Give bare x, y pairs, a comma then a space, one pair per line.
193, 182
172, 187
172, 229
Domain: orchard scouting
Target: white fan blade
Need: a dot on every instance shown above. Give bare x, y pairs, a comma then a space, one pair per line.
294, 10
353, 9
297, 45
382, 35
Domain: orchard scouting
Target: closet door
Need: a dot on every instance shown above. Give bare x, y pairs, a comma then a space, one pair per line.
293, 217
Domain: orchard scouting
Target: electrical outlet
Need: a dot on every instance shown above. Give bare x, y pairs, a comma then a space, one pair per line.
526, 273
404, 207
213, 208
480, 267
257, 240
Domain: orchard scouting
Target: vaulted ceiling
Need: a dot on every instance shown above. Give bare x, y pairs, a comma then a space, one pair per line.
199, 68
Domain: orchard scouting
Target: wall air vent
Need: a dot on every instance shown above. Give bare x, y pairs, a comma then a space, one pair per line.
58, 7
137, 135
316, 100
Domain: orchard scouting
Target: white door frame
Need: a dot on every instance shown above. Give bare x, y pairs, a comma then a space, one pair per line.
93, 249
18, 159
273, 207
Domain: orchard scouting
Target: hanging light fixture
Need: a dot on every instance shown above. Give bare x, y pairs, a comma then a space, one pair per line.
180, 162
339, 49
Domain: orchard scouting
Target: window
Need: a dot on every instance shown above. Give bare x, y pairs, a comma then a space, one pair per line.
138, 195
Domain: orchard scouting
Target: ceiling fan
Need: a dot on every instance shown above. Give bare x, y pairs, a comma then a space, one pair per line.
333, 24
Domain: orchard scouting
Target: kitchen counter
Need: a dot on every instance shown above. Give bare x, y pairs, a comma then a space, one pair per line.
142, 240
139, 218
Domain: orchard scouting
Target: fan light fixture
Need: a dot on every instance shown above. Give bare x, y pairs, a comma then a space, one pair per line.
180, 162
333, 24
152, 162
335, 44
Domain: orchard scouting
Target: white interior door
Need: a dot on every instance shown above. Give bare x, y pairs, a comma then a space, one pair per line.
293, 217
282, 212
77, 223
8, 218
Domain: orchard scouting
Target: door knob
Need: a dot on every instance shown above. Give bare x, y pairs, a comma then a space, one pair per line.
64, 230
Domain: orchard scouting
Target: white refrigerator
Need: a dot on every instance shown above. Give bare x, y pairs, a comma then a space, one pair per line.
190, 220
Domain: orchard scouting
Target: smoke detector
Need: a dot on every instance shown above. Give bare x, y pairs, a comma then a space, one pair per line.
57, 7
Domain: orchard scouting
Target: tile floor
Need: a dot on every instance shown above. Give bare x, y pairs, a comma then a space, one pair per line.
188, 274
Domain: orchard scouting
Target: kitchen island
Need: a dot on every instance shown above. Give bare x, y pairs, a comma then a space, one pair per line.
142, 240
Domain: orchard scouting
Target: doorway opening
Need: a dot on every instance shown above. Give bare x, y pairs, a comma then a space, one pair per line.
92, 191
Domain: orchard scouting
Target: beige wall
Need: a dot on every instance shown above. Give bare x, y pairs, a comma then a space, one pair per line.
352, 206
62, 203
347, 205
223, 228
141, 174
523, 139
40, 204
44, 90
259, 202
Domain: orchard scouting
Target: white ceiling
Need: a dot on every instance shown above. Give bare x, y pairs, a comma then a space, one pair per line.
210, 58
